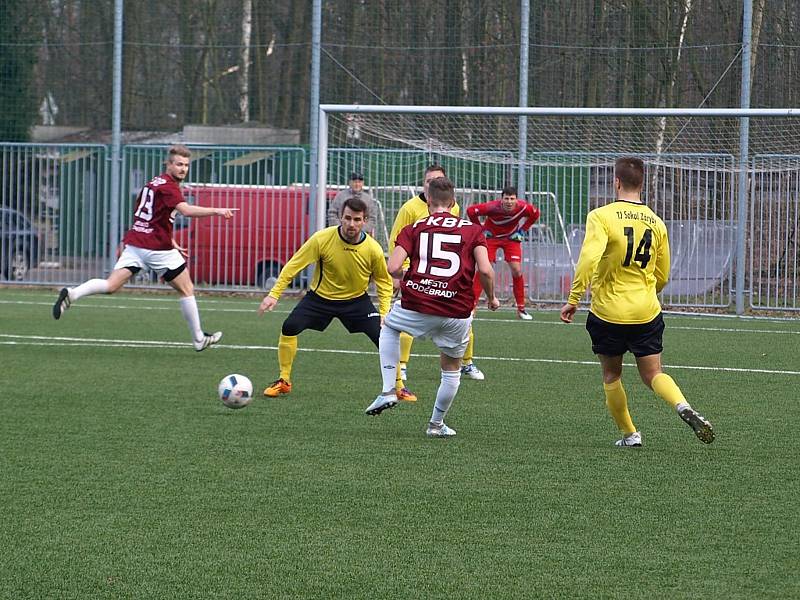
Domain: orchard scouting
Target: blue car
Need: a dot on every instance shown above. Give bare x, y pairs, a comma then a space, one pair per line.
19, 245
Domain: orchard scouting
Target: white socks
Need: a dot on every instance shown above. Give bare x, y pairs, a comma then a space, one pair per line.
88, 288
192, 316
445, 395
389, 352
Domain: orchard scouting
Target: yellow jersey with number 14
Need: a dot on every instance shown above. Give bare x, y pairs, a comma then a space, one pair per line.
625, 258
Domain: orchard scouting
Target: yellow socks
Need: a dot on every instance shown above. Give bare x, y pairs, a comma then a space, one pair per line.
467, 359
665, 387
405, 353
617, 403
287, 349
405, 347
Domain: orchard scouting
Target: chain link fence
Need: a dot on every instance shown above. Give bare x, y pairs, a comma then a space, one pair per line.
54, 216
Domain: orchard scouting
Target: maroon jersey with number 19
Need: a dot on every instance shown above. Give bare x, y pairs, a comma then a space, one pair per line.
441, 252
154, 214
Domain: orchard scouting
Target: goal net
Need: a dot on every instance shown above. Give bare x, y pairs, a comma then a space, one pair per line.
565, 167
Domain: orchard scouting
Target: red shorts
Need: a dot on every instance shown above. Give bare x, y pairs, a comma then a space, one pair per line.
512, 251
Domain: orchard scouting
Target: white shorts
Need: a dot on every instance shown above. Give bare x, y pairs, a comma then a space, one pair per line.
450, 335
159, 261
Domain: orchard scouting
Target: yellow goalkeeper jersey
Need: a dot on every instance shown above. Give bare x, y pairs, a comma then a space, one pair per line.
343, 270
412, 211
625, 257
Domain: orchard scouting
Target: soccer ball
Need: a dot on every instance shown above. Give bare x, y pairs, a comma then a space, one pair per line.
235, 391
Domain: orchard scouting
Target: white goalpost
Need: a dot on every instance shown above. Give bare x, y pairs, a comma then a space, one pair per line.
726, 182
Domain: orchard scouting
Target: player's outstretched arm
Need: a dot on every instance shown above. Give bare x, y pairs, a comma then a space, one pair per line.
190, 210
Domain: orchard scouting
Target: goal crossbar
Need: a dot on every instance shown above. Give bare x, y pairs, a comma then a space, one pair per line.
533, 111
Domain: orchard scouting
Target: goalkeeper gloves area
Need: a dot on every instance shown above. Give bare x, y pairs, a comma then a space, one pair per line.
517, 236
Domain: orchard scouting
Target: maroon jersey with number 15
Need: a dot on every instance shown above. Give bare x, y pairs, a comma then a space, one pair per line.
154, 214
441, 252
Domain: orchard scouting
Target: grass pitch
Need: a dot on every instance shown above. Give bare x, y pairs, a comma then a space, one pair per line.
124, 476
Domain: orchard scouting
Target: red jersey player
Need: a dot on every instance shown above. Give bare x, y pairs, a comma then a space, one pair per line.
437, 297
149, 245
505, 222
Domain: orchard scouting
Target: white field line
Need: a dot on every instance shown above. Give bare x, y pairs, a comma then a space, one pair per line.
7, 339
254, 310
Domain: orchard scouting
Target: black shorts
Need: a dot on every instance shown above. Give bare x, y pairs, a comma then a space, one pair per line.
358, 315
613, 339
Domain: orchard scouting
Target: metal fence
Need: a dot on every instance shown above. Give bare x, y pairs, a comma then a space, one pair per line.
56, 228
55, 203
774, 250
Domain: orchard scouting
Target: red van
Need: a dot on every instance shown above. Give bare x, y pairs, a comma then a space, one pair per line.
251, 248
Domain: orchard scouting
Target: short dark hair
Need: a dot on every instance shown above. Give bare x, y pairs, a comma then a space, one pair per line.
356, 205
630, 172
509, 190
434, 167
440, 191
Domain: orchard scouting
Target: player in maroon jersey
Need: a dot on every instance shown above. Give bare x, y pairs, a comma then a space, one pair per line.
437, 297
504, 225
148, 244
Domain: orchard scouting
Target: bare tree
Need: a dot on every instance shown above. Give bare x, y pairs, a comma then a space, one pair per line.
244, 64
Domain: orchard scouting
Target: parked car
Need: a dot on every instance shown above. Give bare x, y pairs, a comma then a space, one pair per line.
19, 245
251, 248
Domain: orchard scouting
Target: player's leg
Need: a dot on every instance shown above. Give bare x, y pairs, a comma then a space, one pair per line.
311, 312
361, 316
389, 351
287, 350
181, 282
448, 388
617, 400
451, 339
512, 253
608, 343
399, 390
389, 354
647, 348
518, 284
397, 321
66, 296
666, 388
403, 393
468, 367
405, 353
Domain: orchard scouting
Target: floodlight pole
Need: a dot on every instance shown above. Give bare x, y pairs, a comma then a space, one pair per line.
315, 173
524, 36
116, 136
744, 151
